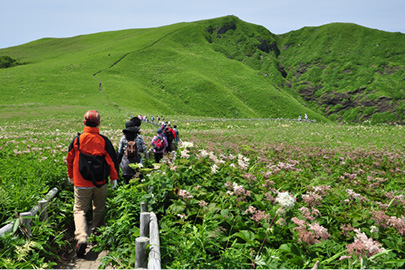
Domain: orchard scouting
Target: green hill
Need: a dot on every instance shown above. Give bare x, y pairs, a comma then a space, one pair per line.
222, 67
346, 71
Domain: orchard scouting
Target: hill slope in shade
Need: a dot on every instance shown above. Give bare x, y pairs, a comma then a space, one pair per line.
222, 67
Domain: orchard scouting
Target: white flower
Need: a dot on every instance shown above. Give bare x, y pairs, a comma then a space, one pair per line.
285, 200
373, 229
214, 157
236, 186
243, 162
184, 154
214, 169
186, 145
203, 153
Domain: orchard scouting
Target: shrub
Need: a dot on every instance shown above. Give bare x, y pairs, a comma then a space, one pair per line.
385, 117
7, 62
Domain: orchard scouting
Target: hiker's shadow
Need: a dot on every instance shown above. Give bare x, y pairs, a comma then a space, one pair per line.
91, 255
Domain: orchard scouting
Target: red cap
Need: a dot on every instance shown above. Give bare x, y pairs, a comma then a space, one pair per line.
91, 118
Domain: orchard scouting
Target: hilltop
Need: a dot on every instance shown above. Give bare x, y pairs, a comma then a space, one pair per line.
222, 67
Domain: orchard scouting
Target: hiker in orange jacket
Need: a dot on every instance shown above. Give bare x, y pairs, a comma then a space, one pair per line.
90, 189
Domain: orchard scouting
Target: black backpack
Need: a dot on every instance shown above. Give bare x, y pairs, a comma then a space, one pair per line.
93, 168
169, 135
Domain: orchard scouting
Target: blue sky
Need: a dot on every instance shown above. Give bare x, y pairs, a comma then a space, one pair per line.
22, 21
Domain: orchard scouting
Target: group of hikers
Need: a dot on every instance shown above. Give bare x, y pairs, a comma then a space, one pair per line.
91, 159
300, 118
152, 118
132, 145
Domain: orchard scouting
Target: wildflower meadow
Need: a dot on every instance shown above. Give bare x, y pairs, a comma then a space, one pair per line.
238, 194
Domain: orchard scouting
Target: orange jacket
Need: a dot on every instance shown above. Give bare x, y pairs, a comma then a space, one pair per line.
91, 143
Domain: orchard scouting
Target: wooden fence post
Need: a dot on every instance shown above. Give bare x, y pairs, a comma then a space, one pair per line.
144, 226
144, 207
140, 252
25, 220
149, 235
6, 228
26, 217
154, 261
43, 209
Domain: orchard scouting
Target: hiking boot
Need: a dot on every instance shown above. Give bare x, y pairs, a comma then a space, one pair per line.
81, 249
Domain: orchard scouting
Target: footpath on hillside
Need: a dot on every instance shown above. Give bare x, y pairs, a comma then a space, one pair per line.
92, 259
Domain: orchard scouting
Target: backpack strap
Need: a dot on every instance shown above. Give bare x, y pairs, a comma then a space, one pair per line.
78, 141
78, 147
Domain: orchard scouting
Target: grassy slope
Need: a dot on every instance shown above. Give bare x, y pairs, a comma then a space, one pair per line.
165, 70
182, 74
343, 58
58, 74
208, 68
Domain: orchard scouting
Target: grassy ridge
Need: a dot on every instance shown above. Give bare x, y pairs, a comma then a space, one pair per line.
222, 67
364, 63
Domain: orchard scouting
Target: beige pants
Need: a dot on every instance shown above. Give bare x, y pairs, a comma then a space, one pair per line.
84, 198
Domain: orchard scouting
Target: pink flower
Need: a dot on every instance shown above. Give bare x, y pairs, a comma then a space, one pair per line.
240, 191
373, 229
310, 237
322, 190
257, 215
353, 195
364, 246
346, 229
397, 223
268, 183
250, 210
202, 204
260, 215
312, 199
299, 222
350, 176
307, 213
269, 197
184, 194
249, 177
320, 231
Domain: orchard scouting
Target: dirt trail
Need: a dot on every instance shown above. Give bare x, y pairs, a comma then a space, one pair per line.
90, 261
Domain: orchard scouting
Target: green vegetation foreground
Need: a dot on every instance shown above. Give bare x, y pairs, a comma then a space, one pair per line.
263, 194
